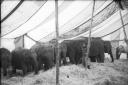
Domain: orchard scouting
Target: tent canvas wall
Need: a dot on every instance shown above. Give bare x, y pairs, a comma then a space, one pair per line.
37, 20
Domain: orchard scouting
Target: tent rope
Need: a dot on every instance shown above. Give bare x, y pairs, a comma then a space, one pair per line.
19, 4
83, 22
114, 31
36, 27
24, 23
94, 15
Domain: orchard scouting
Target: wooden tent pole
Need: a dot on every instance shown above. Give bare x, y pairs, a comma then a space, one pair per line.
23, 41
89, 39
57, 44
125, 35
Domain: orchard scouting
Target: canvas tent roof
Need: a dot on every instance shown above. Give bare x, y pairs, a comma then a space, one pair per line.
36, 20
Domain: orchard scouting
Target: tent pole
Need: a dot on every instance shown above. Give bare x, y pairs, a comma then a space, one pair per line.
89, 38
125, 35
23, 41
57, 44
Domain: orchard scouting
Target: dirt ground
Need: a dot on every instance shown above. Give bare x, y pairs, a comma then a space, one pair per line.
100, 74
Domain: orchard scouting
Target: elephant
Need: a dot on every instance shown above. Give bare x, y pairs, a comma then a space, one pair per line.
97, 50
62, 51
74, 49
5, 57
25, 60
45, 55
121, 49
108, 49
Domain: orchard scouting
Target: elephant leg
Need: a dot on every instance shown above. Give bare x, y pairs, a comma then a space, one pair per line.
60, 59
72, 57
4, 71
93, 58
98, 58
111, 57
64, 59
118, 53
29, 68
118, 56
24, 69
51, 64
77, 58
13, 70
102, 57
83, 61
46, 66
36, 68
39, 64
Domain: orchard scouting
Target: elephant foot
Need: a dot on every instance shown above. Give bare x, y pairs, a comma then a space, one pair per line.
36, 73
4, 74
24, 69
4, 71
112, 61
14, 71
65, 63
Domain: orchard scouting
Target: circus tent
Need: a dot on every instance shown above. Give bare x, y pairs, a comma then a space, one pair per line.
25, 22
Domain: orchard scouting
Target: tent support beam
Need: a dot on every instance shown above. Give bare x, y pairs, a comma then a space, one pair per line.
57, 44
31, 38
87, 61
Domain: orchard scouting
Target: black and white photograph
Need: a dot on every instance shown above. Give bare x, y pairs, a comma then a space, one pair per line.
64, 42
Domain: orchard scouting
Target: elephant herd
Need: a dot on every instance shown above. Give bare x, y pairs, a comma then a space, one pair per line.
43, 56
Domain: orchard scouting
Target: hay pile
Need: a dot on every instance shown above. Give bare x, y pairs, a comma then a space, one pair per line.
100, 74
